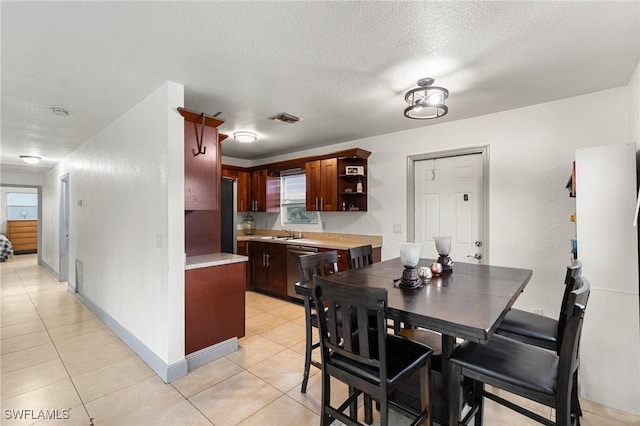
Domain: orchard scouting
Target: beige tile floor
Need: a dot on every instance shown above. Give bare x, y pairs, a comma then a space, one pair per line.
56, 355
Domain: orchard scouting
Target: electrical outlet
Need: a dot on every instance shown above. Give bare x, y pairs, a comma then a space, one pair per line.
397, 228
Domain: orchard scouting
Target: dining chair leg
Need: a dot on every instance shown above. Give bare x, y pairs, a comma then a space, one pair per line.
353, 407
325, 418
478, 401
454, 391
308, 344
575, 401
368, 409
384, 409
426, 391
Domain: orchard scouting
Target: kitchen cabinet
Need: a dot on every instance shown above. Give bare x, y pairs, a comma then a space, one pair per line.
269, 268
352, 184
343, 257
322, 185
264, 191
201, 166
242, 179
23, 235
243, 249
214, 305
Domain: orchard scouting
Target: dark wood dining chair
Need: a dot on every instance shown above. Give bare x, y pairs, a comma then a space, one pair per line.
322, 263
533, 373
368, 359
536, 329
360, 256
542, 331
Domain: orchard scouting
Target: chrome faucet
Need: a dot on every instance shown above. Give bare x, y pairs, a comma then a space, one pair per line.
290, 232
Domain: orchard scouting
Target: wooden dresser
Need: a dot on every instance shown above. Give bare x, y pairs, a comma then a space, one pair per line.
23, 235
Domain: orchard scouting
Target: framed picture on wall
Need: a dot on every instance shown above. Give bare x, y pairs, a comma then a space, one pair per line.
354, 170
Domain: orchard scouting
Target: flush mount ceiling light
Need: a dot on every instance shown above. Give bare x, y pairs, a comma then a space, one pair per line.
30, 159
245, 137
426, 101
59, 111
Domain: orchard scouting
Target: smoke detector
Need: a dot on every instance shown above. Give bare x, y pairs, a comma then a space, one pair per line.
286, 118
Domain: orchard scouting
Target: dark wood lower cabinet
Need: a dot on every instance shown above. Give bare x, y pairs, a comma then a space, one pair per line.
214, 305
243, 249
269, 268
343, 257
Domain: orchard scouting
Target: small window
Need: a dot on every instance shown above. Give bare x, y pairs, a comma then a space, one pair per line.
21, 205
293, 201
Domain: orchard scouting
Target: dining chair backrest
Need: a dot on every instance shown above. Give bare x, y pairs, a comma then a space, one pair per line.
361, 354
354, 340
574, 271
568, 355
322, 263
360, 256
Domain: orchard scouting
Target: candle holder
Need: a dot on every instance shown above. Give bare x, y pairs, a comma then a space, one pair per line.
443, 246
410, 257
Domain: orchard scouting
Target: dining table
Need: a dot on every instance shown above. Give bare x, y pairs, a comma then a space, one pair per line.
468, 303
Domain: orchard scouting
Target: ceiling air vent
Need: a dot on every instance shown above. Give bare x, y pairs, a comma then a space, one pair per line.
285, 118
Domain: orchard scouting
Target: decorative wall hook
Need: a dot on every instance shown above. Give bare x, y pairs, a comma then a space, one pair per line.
202, 119
199, 140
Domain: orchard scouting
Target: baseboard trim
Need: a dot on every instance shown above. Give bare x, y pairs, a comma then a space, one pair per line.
211, 353
167, 373
50, 270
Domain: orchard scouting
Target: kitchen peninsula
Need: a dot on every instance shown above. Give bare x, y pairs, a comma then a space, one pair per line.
214, 299
214, 281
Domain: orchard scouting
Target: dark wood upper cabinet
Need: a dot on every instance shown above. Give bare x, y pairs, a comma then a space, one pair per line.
322, 185
242, 179
332, 182
264, 191
202, 160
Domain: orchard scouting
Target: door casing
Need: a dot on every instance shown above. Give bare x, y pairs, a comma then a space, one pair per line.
411, 217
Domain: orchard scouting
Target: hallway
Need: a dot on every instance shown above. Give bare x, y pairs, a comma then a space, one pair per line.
61, 365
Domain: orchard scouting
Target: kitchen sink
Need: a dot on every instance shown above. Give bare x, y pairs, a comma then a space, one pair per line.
278, 238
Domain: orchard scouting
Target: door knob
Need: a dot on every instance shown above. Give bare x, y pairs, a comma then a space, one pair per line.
477, 256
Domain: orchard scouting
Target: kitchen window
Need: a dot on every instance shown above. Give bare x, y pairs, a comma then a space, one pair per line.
293, 199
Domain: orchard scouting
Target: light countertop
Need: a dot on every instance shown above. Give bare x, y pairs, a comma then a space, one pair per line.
316, 239
214, 259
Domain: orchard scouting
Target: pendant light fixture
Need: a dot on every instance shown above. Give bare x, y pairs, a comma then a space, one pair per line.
426, 101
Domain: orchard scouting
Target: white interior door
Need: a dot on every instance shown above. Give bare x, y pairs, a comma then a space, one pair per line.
64, 229
449, 201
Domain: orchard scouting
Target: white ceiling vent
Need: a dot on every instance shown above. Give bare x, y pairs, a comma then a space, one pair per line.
285, 118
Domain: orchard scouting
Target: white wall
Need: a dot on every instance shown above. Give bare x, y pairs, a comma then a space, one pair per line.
27, 179
129, 229
531, 151
634, 107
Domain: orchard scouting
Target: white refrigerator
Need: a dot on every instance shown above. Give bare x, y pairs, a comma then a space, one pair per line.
606, 197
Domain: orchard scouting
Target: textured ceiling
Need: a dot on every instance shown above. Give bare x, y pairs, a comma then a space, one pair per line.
342, 67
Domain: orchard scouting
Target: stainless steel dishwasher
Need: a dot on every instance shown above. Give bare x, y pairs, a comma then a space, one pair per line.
293, 271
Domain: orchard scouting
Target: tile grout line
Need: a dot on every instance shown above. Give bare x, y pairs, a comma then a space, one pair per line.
58, 353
